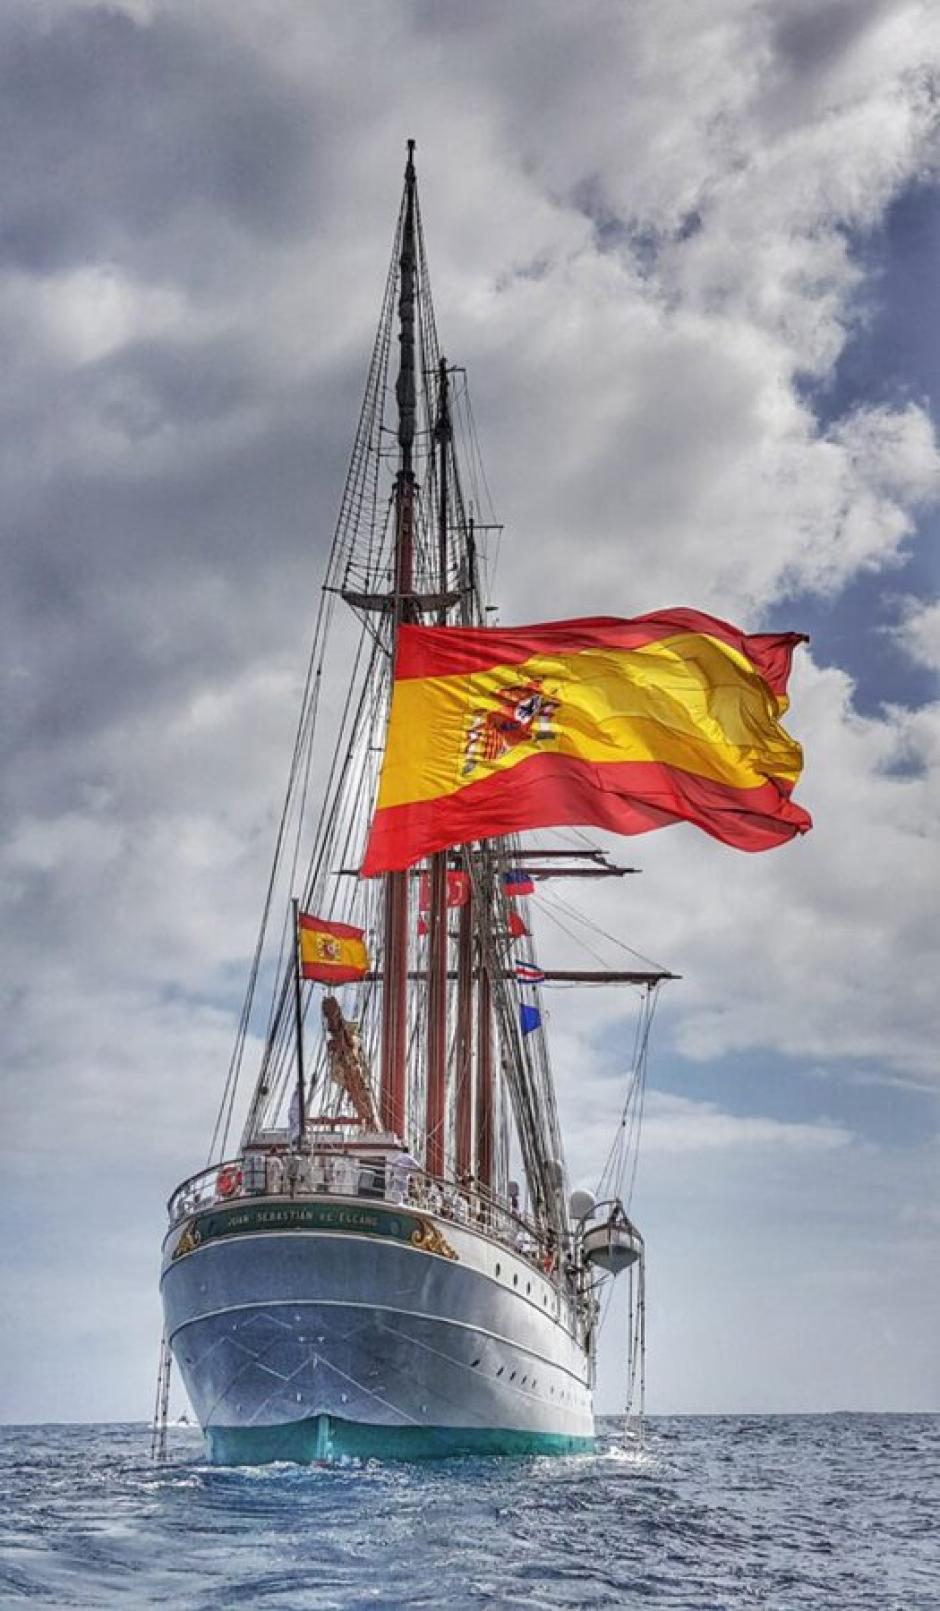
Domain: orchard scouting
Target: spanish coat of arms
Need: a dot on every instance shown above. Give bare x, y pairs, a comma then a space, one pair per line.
523, 716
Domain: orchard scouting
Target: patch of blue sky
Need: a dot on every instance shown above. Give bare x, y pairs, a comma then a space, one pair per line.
876, 1103
892, 358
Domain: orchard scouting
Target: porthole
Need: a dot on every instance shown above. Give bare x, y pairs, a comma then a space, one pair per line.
501, 1369
498, 1268
512, 1376
515, 1282
528, 1286
474, 1363
524, 1380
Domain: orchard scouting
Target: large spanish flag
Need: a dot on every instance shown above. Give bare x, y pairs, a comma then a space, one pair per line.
625, 725
331, 953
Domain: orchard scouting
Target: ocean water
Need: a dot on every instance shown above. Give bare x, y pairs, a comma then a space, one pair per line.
785, 1513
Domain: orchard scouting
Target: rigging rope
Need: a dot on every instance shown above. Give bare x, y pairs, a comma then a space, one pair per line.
624, 1151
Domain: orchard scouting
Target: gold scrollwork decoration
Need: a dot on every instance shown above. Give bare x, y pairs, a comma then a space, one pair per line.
188, 1242
429, 1239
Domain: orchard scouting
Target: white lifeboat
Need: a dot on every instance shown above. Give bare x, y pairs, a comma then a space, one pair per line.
613, 1245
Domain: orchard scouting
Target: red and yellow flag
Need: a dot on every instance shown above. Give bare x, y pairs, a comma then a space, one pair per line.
332, 953
624, 725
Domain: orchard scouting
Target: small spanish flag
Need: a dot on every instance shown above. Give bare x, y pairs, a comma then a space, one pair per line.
331, 953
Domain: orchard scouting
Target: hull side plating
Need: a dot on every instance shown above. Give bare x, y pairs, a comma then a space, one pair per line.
302, 1345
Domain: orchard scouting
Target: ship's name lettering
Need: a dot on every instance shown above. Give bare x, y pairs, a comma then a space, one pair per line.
323, 1217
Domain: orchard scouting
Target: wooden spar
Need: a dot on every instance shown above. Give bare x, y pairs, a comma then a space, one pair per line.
442, 438
595, 869
435, 1108
463, 1060
463, 1053
395, 992
639, 976
436, 1103
607, 975
587, 853
484, 1080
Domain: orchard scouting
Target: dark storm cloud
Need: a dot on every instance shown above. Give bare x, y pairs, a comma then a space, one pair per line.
809, 37
443, 17
110, 128
158, 149
198, 382
102, 565
812, 45
154, 147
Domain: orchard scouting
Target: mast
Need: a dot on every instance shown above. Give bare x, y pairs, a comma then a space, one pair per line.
299, 1029
484, 1080
395, 993
463, 1057
463, 1049
436, 1107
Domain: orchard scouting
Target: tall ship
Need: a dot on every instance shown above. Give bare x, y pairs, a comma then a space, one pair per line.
382, 1256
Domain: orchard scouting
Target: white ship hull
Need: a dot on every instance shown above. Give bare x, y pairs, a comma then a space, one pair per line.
307, 1329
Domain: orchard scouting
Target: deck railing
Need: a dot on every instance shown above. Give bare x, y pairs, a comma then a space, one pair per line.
338, 1174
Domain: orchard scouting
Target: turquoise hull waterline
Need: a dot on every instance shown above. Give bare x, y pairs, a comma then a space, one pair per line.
328, 1438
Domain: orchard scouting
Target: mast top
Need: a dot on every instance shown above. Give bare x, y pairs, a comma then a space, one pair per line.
405, 385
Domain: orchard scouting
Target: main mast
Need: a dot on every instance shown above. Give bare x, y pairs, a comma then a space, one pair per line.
436, 1107
395, 994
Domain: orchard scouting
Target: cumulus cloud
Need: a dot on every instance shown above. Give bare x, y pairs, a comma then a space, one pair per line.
919, 633
675, 1124
678, 1128
827, 949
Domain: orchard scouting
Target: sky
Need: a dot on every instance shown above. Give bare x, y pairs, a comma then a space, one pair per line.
688, 254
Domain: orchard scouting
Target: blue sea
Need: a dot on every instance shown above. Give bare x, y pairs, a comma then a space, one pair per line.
784, 1513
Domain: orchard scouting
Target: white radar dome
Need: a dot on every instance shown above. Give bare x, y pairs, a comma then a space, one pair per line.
582, 1204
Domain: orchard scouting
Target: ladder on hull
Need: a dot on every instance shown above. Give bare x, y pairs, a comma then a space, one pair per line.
162, 1402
